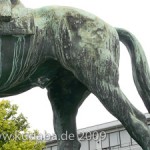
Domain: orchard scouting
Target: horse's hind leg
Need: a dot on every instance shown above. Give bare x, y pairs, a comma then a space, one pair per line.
102, 81
95, 63
134, 121
118, 105
66, 94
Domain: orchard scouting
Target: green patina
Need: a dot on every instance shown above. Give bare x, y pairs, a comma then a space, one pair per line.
71, 53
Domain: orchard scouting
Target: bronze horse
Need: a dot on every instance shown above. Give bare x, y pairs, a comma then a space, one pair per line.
71, 53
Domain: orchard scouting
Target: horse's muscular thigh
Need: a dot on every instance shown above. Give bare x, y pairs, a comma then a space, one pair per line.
94, 54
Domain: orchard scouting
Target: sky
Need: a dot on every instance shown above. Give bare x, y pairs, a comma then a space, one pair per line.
131, 15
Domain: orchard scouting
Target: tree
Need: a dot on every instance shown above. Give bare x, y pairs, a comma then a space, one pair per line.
14, 130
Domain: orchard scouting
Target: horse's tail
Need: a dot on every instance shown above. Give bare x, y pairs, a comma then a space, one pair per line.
140, 68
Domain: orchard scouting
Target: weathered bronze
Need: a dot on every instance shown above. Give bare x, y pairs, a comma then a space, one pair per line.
72, 53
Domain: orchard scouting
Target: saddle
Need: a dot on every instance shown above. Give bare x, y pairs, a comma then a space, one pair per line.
19, 26
14, 26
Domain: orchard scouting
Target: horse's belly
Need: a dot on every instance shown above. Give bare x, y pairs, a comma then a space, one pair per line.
16, 60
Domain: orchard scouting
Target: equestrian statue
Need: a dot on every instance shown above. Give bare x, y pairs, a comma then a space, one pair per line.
71, 53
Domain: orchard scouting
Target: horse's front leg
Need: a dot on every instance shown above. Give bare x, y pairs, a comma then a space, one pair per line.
66, 94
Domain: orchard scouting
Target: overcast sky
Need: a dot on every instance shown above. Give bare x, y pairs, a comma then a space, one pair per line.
132, 15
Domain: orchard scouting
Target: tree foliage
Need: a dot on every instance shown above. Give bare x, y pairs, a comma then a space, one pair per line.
14, 130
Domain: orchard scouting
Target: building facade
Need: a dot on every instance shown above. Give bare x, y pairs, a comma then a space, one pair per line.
108, 136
